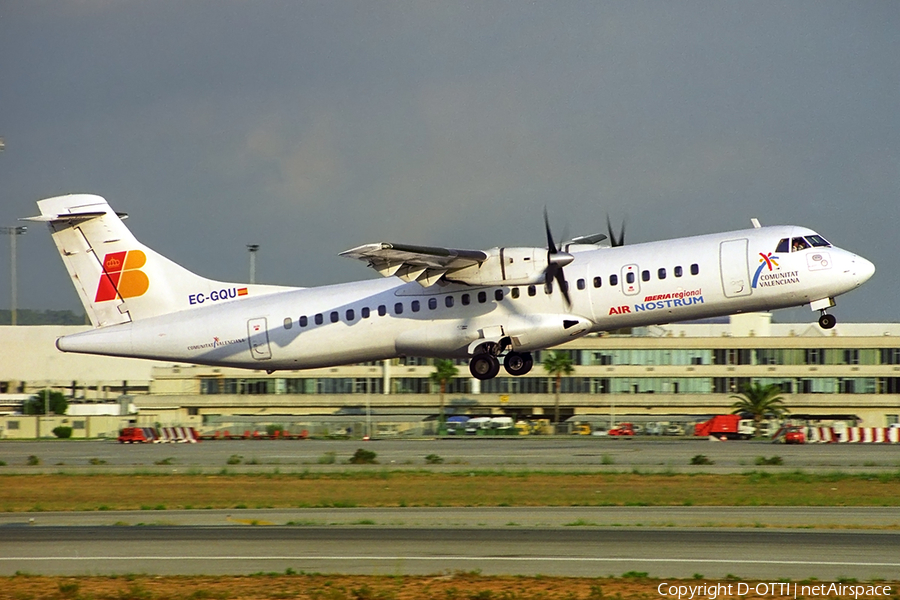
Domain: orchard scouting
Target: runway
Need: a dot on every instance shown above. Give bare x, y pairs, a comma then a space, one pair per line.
584, 551
761, 554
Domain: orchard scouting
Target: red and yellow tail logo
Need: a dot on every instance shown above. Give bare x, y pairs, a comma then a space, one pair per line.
122, 276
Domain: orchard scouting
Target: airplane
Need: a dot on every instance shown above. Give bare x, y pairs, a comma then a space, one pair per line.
500, 304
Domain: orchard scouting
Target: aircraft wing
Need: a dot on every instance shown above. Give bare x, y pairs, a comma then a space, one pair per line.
424, 264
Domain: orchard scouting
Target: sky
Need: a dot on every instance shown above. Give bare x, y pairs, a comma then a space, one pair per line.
313, 127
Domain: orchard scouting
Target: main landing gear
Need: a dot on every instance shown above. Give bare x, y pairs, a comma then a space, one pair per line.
485, 364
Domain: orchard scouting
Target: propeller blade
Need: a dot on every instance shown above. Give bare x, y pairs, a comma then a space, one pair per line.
613, 240
551, 245
563, 286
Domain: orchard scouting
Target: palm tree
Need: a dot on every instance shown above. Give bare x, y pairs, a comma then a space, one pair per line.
760, 401
558, 363
444, 371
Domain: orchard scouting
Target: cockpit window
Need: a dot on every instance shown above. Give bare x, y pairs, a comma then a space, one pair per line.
784, 246
818, 241
798, 243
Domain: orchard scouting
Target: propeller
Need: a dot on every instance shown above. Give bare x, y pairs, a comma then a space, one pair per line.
613, 240
556, 260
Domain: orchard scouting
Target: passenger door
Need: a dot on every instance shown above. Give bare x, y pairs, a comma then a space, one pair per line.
258, 335
734, 268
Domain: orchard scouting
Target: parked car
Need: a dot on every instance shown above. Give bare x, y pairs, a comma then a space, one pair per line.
795, 435
623, 429
674, 430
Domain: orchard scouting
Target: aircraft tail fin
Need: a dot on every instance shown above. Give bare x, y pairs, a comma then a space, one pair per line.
117, 278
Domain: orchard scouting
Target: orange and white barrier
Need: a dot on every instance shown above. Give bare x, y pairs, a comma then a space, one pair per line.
852, 435
870, 435
177, 435
820, 435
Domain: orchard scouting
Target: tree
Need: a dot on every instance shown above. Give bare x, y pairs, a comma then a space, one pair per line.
760, 401
38, 404
444, 371
558, 363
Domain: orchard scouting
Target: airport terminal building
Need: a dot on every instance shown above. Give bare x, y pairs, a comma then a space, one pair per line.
671, 372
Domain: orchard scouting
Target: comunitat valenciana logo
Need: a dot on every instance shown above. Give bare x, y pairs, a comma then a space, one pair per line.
765, 260
122, 276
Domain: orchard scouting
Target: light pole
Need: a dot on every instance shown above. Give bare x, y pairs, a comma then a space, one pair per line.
252, 248
13, 233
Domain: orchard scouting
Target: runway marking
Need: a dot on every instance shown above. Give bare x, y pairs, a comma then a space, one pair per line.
462, 558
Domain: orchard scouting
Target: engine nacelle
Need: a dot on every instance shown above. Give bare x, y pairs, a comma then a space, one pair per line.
505, 266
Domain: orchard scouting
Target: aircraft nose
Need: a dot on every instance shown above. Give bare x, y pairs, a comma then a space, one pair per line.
864, 269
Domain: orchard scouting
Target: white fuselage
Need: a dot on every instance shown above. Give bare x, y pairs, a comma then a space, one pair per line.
675, 280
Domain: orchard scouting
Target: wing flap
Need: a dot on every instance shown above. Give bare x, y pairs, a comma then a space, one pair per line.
424, 264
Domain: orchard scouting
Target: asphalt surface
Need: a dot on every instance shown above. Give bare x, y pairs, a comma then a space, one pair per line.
494, 517
714, 553
573, 453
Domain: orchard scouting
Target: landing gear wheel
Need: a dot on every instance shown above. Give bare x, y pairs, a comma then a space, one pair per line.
484, 366
517, 363
827, 321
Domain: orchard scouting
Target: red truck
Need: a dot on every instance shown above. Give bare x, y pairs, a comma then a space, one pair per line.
727, 426
137, 435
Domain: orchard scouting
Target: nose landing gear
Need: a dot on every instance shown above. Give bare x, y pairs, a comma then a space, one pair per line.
827, 321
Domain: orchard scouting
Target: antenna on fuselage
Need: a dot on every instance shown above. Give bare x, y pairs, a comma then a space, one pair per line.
755, 222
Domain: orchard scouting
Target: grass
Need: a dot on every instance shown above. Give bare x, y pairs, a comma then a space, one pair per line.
351, 488
290, 583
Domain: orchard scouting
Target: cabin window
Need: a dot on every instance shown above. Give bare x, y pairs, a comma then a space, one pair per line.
515, 292
598, 281
614, 279
350, 314
482, 297
398, 308
304, 321
465, 299
335, 317
532, 290
661, 273
784, 246
548, 288
448, 301
580, 284
629, 277
415, 306
798, 244
645, 275
695, 269
288, 322
382, 310
498, 295
817, 241
432, 303
319, 319
364, 312
678, 272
